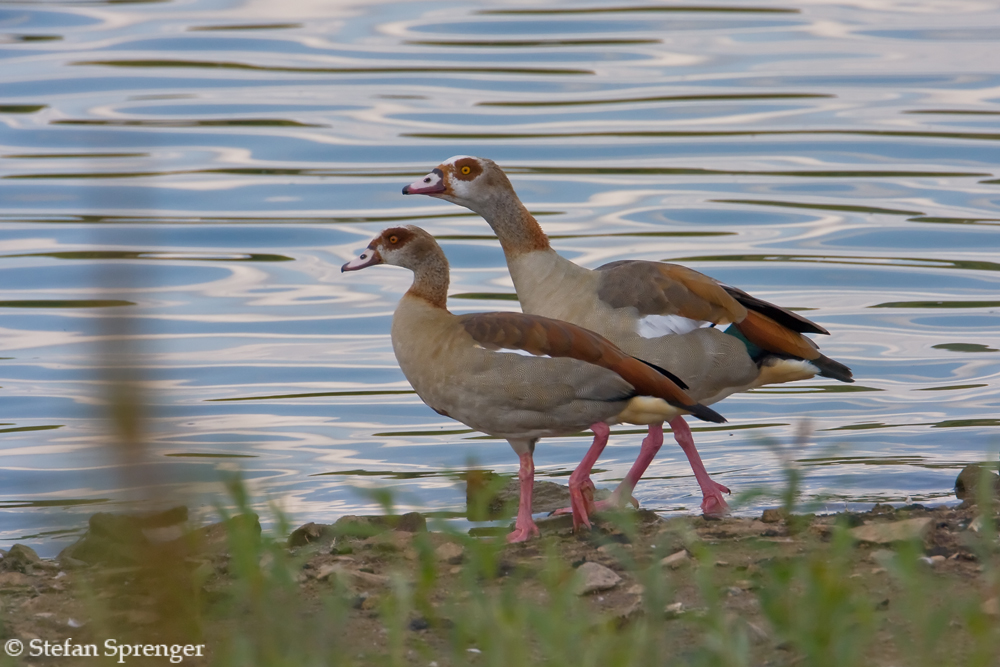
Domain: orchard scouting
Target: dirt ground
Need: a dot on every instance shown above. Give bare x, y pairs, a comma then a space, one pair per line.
56, 607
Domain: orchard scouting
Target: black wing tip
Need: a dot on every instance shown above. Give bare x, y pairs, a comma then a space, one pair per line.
780, 315
663, 371
705, 413
834, 370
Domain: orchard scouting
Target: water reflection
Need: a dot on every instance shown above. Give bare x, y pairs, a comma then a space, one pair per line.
233, 155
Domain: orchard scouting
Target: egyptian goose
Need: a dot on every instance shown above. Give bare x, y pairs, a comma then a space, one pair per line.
664, 314
562, 380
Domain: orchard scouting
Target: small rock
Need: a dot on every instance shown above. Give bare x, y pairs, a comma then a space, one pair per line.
674, 610
596, 577
675, 560
419, 623
976, 524
14, 580
309, 533
967, 483
991, 607
23, 553
889, 532
773, 516
635, 608
450, 552
22, 559
882, 508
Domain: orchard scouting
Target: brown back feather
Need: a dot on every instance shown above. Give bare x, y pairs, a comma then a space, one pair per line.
543, 336
656, 288
764, 332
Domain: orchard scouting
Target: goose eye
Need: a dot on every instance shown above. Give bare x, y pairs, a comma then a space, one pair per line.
364, 255
394, 239
466, 169
427, 179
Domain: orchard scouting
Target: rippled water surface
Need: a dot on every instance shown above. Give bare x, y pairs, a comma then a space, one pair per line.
181, 180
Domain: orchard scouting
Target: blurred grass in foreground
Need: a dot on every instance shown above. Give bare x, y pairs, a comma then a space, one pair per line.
517, 605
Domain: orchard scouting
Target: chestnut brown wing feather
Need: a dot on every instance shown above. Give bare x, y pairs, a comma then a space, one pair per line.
656, 288
772, 336
547, 337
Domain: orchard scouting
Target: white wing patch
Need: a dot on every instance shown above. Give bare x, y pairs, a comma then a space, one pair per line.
654, 326
507, 350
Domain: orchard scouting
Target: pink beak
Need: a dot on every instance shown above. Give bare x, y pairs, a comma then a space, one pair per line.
368, 258
430, 184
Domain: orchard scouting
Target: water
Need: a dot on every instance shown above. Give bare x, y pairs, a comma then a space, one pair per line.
180, 182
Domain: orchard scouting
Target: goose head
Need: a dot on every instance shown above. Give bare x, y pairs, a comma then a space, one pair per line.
473, 182
409, 247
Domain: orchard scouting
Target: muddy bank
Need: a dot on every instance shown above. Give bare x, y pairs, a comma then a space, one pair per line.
152, 579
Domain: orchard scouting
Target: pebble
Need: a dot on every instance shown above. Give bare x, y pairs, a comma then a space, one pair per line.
675, 560
450, 552
889, 532
773, 516
595, 577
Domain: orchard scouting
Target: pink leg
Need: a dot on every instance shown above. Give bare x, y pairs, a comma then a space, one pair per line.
524, 527
712, 504
623, 493
581, 489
